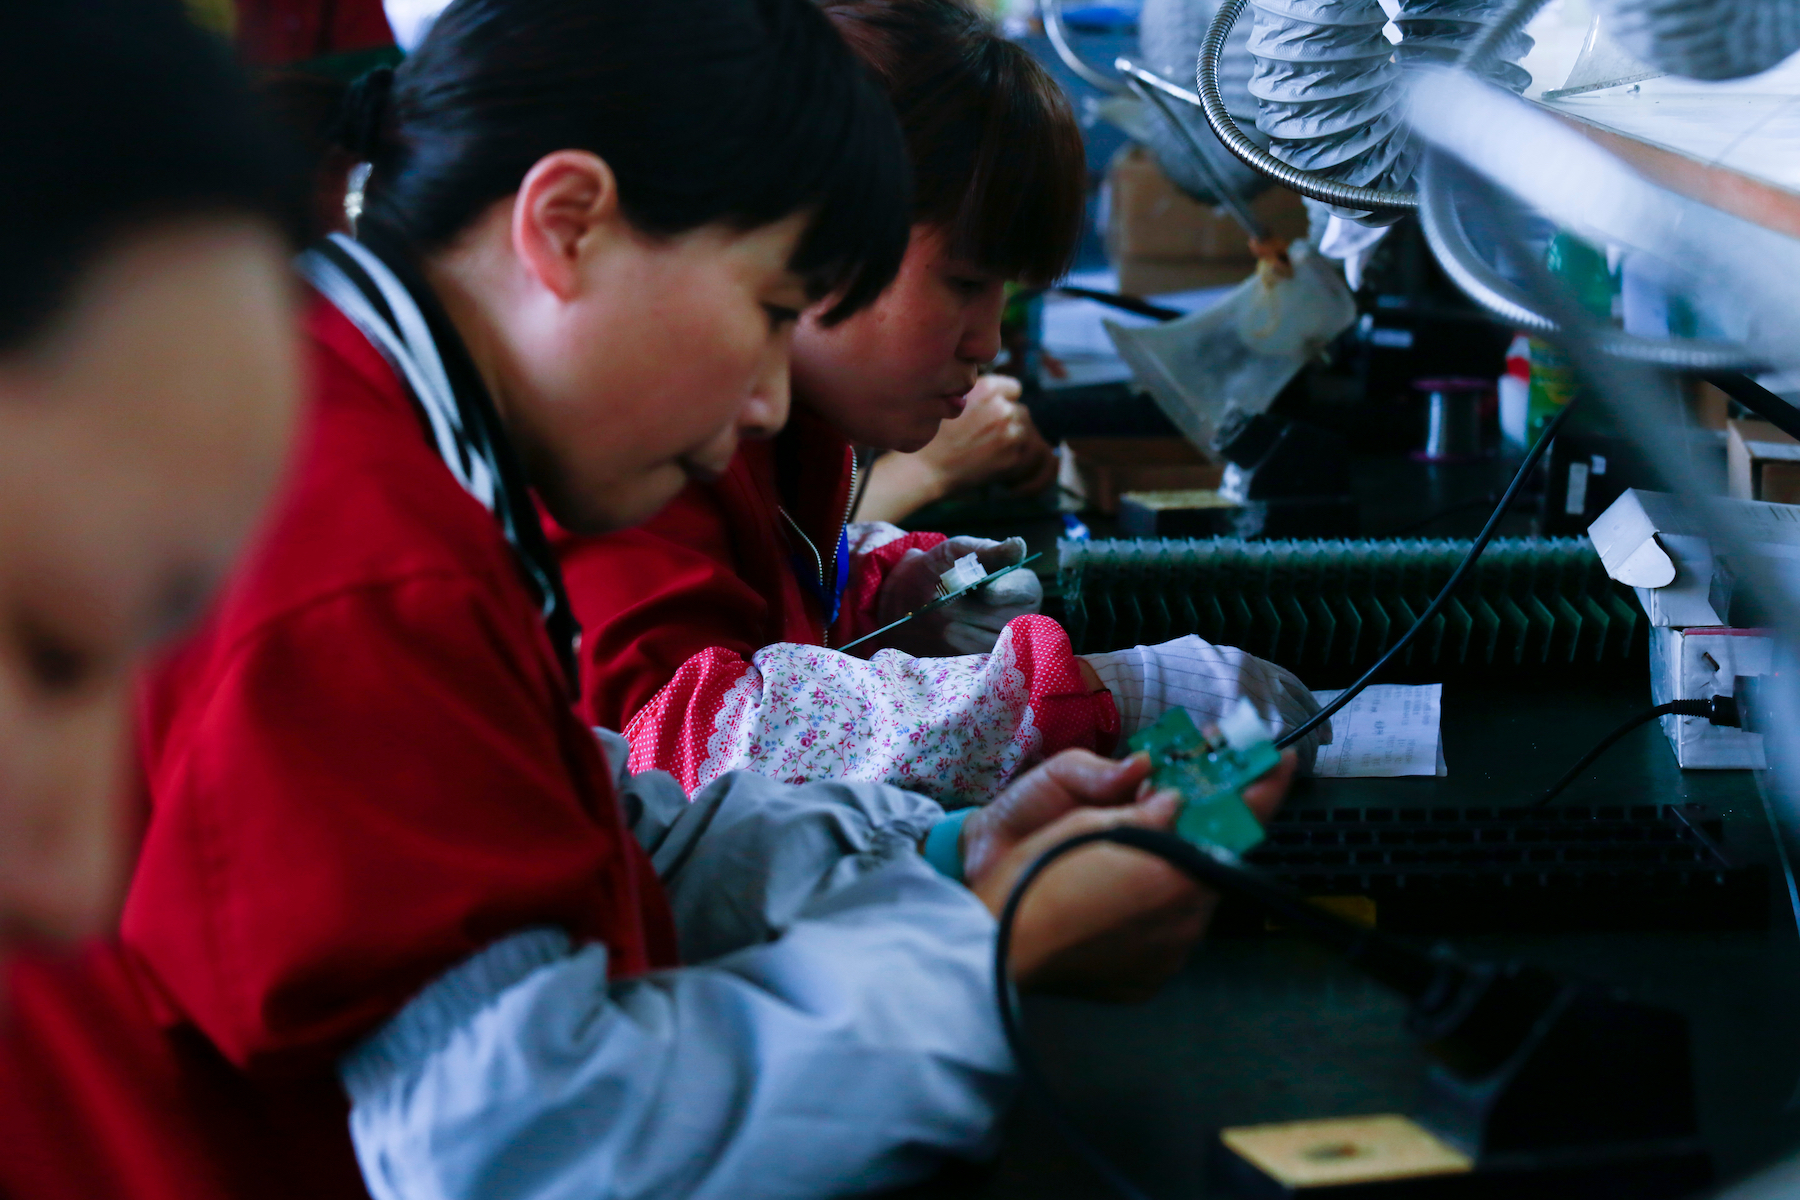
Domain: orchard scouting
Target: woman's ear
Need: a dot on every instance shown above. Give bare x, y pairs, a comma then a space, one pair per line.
568, 200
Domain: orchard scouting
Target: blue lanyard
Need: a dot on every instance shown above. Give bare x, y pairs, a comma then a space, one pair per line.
833, 600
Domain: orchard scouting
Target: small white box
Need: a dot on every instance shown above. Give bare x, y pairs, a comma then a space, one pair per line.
1660, 546
1697, 664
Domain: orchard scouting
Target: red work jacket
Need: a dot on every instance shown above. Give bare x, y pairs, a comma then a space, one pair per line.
363, 768
277, 33
722, 566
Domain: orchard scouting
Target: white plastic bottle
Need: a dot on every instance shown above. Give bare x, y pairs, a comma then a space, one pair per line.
1515, 392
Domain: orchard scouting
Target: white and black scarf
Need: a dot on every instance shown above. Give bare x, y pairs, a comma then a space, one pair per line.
379, 289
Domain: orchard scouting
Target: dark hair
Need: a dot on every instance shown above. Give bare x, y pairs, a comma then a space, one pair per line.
118, 113
735, 111
996, 152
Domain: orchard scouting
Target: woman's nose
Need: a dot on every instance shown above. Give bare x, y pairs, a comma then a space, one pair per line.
766, 410
62, 852
981, 335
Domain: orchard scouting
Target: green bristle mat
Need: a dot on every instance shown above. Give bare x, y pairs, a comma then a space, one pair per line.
1331, 607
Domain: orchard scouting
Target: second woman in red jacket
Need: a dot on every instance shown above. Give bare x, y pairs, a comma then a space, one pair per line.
706, 632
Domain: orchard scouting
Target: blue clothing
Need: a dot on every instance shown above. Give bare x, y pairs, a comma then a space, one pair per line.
838, 1034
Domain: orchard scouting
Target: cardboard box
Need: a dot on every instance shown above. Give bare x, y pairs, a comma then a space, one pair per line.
1696, 664
1709, 407
1762, 463
1107, 466
1161, 276
1163, 240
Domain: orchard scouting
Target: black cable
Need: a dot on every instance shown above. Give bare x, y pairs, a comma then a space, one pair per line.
1759, 400
1720, 710
1413, 972
1029, 1071
1122, 302
1443, 597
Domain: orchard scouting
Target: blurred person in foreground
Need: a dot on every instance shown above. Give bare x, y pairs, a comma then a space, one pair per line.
149, 382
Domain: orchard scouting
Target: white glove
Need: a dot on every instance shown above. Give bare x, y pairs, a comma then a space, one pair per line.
972, 624
1207, 680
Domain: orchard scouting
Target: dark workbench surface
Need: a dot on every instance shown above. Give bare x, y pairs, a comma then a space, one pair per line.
1266, 1029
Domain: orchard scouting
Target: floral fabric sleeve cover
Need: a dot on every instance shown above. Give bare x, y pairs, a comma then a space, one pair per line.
955, 729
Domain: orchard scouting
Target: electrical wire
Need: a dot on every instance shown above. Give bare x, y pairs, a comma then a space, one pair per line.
1569, 321
1443, 597
1030, 1072
1122, 302
1057, 31
1720, 710
1781, 848
1408, 969
1150, 88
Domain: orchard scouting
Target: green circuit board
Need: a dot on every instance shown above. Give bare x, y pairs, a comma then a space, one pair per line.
1211, 774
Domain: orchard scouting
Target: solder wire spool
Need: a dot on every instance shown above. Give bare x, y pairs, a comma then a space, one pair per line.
1334, 606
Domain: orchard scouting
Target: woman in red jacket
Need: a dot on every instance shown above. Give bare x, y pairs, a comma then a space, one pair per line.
706, 631
149, 379
393, 896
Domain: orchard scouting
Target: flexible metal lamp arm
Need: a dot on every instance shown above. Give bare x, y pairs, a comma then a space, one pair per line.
1058, 33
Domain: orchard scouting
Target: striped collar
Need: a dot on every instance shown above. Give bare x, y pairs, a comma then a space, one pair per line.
378, 289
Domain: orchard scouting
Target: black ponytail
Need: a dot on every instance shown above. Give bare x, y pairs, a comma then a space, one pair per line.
118, 113
362, 120
734, 111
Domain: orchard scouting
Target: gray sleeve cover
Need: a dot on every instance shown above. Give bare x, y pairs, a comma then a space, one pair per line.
838, 1034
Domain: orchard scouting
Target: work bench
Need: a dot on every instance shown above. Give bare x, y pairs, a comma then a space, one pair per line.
1268, 1028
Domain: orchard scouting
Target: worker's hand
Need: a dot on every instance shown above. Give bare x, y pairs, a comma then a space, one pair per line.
1208, 681
1105, 921
972, 624
992, 441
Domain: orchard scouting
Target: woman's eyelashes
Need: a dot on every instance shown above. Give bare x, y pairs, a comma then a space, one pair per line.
55, 665
781, 317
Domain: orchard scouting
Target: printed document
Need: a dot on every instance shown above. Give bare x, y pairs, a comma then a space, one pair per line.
1390, 729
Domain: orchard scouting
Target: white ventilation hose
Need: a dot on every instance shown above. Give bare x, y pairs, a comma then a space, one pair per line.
1326, 80
1705, 39
1169, 36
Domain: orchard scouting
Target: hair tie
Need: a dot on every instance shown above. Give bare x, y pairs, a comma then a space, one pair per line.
362, 117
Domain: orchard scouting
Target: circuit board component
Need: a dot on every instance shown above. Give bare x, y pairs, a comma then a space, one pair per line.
1211, 772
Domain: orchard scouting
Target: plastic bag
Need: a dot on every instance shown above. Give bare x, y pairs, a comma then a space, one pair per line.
1241, 352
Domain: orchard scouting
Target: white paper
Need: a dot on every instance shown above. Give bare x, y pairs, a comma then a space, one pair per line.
1390, 729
